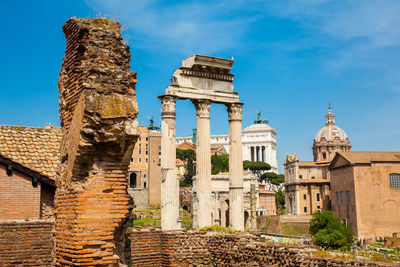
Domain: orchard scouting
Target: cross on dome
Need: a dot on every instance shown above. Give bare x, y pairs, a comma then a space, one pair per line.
330, 117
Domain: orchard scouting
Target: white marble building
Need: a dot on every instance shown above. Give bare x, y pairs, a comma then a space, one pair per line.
258, 140
220, 198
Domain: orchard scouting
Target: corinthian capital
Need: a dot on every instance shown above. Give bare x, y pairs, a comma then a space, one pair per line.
168, 104
202, 108
235, 111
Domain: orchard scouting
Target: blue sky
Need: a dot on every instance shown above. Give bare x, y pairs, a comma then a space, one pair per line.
292, 58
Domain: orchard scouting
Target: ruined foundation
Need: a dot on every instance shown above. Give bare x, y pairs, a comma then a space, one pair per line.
98, 117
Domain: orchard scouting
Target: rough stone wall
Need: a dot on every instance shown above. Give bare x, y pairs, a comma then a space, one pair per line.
140, 198
180, 248
98, 117
46, 201
26, 243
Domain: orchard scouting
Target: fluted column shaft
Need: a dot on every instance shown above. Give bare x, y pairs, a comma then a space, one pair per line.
203, 164
236, 204
169, 185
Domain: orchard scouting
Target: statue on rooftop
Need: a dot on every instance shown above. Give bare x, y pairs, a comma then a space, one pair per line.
152, 126
259, 120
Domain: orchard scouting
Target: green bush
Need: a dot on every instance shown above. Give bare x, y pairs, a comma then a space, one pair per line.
328, 231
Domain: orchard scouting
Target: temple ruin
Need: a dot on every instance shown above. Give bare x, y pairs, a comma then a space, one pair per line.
98, 117
99, 130
203, 80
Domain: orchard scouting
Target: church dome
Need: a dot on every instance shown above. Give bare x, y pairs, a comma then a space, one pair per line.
329, 140
331, 130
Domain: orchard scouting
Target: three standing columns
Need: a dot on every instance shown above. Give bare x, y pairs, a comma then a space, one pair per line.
236, 204
203, 163
169, 184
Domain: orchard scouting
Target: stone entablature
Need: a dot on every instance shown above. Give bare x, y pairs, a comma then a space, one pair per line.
204, 77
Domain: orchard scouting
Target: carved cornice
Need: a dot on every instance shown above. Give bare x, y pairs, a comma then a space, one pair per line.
168, 104
207, 74
202, 108
235, 111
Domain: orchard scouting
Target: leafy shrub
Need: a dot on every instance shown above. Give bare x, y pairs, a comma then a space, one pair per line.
328, 231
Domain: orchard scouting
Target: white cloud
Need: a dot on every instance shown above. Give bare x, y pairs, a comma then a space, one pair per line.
188, 27
376, 21
355, 34
351, 33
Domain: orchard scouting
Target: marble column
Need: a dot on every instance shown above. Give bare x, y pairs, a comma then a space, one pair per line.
236, 204
203, 164
253, 207
169, 184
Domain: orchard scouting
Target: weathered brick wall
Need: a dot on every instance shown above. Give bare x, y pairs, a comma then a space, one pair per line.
180, 248
19, 199
26, 243
146, 248
184, 249
47, 201
392, 242
98, 116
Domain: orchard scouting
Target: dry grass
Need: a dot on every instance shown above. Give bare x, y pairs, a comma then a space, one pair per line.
217, 228
380, 257
327, 254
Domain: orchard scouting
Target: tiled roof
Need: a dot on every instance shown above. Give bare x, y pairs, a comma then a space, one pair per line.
32, 147
186, 145
180, 162
313, 163
219, 149
368, 157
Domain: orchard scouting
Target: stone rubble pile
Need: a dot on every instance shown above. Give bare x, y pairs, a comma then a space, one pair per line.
152, 247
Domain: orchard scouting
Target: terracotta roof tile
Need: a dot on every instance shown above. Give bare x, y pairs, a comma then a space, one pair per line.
36, 148
313, 163
368, 157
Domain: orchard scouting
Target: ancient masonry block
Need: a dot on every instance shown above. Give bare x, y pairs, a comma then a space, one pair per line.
98, 117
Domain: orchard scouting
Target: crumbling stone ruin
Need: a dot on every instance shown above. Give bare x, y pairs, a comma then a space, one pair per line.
152, 247
98, 117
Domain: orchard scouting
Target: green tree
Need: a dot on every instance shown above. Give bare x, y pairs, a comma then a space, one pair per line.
279, 200
219, 163
328, 231
256, 167
273, 178
188, 156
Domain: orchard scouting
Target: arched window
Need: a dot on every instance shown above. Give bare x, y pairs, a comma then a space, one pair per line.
394, 180
132, 180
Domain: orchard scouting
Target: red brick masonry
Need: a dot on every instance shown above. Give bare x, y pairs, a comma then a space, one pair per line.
26, 243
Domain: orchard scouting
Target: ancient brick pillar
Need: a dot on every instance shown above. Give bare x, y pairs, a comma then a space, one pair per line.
98, 118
